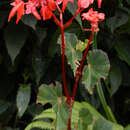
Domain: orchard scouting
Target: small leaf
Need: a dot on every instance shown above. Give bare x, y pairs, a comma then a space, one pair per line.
72, 7
98, 67
3, 106
73, 56
23, 98
30, 20
120, 18
81, 45
15, 37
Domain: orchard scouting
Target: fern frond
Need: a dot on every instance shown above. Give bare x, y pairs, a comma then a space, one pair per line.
41, 125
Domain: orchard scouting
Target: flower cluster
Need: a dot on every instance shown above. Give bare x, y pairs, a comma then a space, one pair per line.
47, 7
93, 17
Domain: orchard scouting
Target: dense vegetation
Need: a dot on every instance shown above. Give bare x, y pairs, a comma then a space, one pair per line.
30, 57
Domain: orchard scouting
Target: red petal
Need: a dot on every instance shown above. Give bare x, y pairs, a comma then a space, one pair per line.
36, 14
46, 13
20, 12
13, 10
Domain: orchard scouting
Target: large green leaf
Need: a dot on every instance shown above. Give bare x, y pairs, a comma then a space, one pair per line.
120, 18
123, 50
48, 94
23, 98
73, 55
15, 37
97, 68
72, 7
53, 95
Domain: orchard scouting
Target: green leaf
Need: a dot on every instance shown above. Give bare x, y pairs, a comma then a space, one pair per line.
62, 115
127, 127
115, 78
122, 48
72, 7
3, 106
73, 56
48, 113
85, 119
15, 37
41, 125
120, 18
23, 98
81, 45
48, 94
102, 124
98, 67
30, 20
53, 95
34, 109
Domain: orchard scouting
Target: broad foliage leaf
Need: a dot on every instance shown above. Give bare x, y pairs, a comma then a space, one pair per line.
120, 18
73, 55
97, 68
122, 48
53, 95
15, 37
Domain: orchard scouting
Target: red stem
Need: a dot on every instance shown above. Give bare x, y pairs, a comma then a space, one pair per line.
79, 70
63, 58
70, 21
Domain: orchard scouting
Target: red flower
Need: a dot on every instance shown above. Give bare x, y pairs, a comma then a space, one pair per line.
84, 3
19, 8
31, 8
93, 17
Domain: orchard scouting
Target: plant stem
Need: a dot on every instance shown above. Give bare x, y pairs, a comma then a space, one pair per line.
79, 71
63, 58
107, 109
70, 21
63, 70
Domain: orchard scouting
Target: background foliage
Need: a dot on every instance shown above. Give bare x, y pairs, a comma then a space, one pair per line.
30, 56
